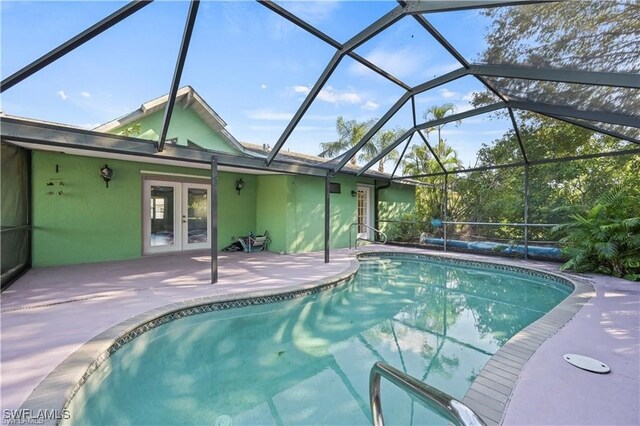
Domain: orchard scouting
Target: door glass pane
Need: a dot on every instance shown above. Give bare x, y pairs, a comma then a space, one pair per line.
197, 215
362, 203
162, 215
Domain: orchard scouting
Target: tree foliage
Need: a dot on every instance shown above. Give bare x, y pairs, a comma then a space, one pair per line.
606, 237
592, 35
350, 132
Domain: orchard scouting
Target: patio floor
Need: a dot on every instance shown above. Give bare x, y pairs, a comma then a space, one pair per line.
50, 312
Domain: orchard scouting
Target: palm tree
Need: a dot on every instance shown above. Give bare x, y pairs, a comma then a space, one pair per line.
420, 161
349, 134
436, 112
378, 143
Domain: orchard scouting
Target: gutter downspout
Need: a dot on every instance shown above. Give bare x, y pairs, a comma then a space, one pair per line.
376, 211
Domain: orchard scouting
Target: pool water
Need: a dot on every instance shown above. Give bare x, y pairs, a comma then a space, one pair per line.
307, 360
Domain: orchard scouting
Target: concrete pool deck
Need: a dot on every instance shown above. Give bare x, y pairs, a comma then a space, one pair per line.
51, 312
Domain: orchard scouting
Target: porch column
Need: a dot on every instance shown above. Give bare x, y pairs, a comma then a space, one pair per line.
327, 217
214, 220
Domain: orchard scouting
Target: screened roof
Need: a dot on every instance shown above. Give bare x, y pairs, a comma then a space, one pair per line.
281, 73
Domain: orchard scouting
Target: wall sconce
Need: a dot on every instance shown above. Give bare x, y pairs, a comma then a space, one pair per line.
106, 173
354, 193
239, 185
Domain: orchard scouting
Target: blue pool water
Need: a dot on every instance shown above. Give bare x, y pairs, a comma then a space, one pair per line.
307, 360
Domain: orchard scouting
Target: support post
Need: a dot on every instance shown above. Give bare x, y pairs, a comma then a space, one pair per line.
327, 216
446, 203
214, 220
526, 211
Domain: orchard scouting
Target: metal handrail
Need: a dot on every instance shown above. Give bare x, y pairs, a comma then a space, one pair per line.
532, 225
384, 236
443, 404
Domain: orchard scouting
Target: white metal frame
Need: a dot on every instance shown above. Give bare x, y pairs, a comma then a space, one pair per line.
367, 189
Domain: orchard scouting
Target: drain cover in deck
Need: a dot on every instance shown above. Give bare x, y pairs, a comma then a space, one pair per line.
586, 363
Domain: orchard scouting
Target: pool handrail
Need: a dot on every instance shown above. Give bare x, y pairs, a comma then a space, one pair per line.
384, 236
440, 402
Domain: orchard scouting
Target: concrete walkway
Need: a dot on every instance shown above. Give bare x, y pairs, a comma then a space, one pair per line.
50, 312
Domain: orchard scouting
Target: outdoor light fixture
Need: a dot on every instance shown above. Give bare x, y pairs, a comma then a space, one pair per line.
106, 173
239, 185
354, 193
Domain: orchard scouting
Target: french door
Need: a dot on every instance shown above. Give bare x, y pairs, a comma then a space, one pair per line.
176, 216
363, 214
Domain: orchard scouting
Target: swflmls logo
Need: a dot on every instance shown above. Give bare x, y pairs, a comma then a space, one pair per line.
33, 417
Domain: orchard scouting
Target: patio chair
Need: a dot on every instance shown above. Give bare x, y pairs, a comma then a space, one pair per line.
254, 243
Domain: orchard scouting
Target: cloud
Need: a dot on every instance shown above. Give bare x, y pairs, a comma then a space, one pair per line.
332, 95
469, 96
449, 94
263, 86
263, 114
370, 106
314, 11
301, 89
62, 95
85, 94
401, 63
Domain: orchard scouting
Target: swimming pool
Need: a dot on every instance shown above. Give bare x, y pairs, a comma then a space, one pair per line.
307, 360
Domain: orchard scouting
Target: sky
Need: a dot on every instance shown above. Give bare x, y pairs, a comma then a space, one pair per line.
252, 67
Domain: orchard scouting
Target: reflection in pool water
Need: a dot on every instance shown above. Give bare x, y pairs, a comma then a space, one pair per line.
307, 361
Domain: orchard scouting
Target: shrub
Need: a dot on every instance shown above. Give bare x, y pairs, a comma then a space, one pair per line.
605, 238
409, 228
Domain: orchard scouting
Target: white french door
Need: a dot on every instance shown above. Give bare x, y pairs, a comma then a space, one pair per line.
363, 213
176, 216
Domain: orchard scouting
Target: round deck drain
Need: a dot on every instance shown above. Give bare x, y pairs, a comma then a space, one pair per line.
586, 363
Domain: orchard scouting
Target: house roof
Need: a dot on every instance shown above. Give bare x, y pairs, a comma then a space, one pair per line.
189, 98
298, 157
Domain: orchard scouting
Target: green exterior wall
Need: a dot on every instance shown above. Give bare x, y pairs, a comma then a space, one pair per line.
185, 124
271, 201
393, 203
299, 227
91, 223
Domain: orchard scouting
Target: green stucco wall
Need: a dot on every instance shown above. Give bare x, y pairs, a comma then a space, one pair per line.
393, 203
185, 124
90, 223
271, 214
291, 208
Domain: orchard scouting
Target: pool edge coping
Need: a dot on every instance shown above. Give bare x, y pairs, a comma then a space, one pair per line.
506, 365
55, 392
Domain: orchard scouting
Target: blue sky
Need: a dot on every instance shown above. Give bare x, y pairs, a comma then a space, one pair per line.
253, 67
